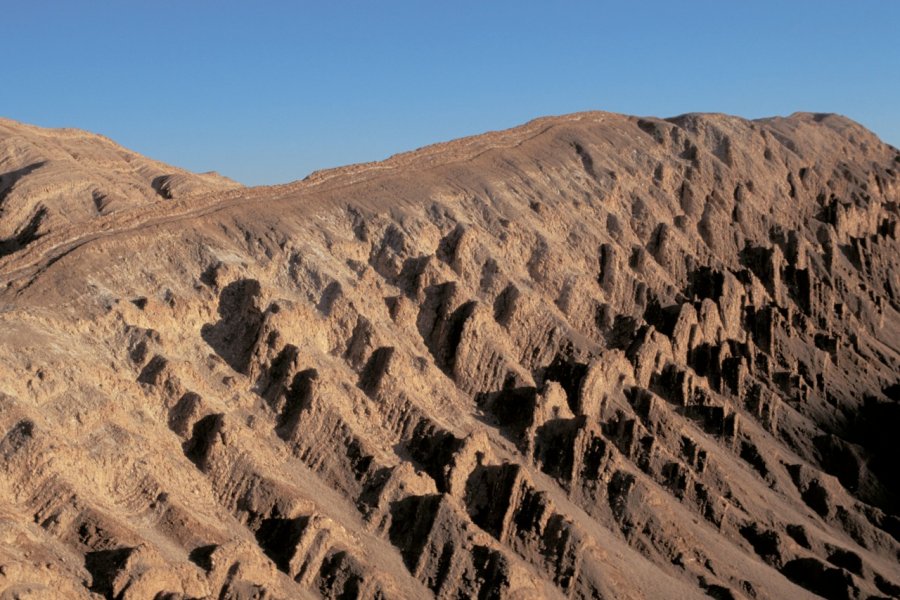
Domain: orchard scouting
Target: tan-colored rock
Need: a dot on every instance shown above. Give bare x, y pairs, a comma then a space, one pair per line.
50, 178
595, 356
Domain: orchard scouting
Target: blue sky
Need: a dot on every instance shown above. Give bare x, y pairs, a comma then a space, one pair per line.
266, 92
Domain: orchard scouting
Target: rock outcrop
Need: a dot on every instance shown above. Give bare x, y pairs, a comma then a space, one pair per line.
596, 356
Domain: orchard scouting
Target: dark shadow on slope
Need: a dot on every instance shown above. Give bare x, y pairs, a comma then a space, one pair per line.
103, 565
441, 326
278, 538
240, 318
25, 235
162, 185
9, 179
28, 232
202, 556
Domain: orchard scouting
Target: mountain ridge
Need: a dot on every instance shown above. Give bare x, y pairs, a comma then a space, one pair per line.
596, 356
480, 141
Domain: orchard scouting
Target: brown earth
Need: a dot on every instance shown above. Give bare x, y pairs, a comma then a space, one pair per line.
54, 177
595, 356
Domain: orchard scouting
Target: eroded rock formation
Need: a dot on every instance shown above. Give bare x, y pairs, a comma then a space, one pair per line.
595, 356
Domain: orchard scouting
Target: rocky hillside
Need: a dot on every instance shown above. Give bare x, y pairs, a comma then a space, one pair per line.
54, 177
595, 356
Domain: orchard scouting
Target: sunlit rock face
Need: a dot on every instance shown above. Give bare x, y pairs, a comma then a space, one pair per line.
596, 356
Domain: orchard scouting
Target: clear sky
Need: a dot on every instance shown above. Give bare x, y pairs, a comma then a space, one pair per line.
266, 92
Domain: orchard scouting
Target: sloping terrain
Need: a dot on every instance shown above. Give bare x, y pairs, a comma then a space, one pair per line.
595, 356
51, 177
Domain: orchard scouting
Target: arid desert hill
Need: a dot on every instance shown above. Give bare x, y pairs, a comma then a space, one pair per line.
52, 177
595, 356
